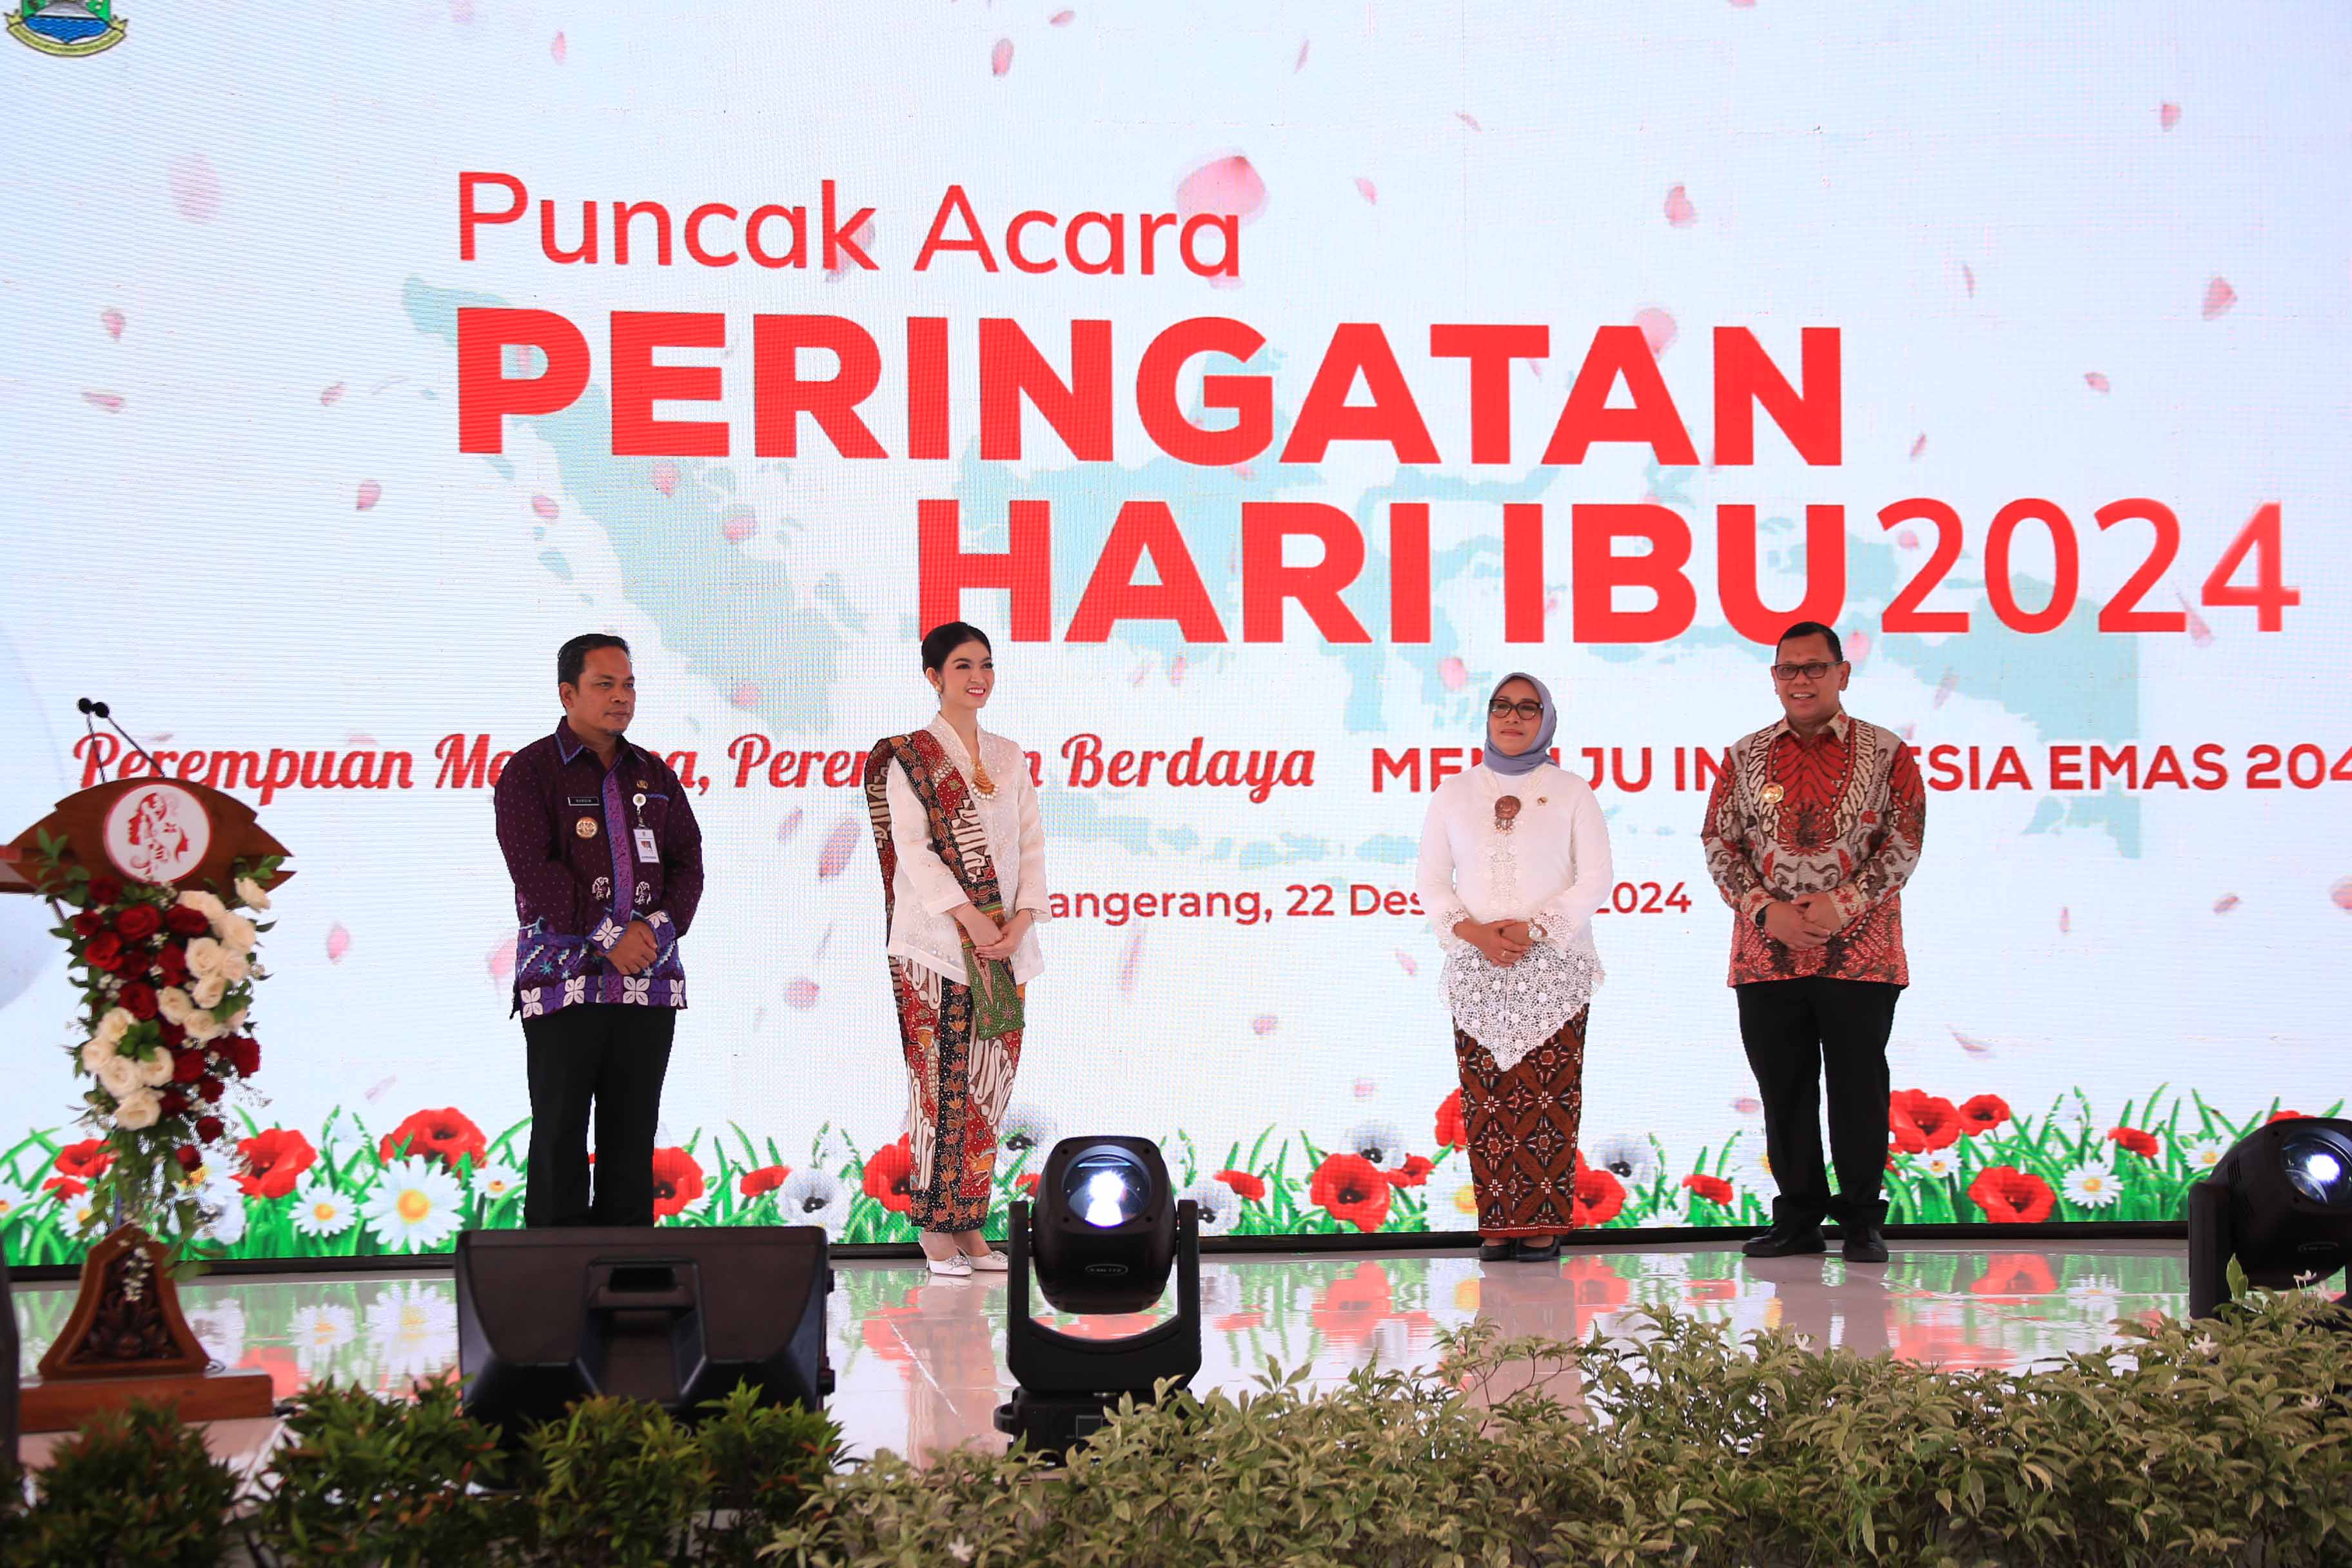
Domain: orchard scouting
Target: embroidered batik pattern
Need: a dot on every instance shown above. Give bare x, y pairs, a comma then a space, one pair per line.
1522, 1123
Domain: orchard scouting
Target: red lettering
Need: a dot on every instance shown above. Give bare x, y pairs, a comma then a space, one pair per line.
1326, 416
927, 387
1490, 351
954, 203
1250, 398
796, 217
1523, 578
1407, 575
468, 216
945, 569
782, 395
639, 383
1013, 232
1652, 421
486, 396
694, 245
1113, 594
1598, 572
841, 237
1267, 582
1012, 370
1735, 571
623, 212
1746, 376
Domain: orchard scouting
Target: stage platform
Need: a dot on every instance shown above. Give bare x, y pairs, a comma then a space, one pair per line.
920, 1360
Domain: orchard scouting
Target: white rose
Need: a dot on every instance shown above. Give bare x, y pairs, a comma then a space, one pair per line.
207, 993
236, 933
235, 1022
174, 1005
120, 1075
202, 1027
206, 904
138, 1110
155, 1070
252, 893
96, 1052
114, 1026
234, 966
205, 956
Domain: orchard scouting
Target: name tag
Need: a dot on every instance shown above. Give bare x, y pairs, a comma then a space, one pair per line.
646, 848
581, 800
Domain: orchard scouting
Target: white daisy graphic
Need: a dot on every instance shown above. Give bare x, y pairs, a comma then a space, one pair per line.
495, 1181
2203, 1157
219, 1327
2093, 1185
1935, 1162
413, 1329
318, 1331
319, 1210
416, 1207
814, 1197
15, 1203
224, 1207
1453, 1204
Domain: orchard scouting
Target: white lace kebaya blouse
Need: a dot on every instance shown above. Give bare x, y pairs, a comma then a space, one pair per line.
923, 889
1532, 848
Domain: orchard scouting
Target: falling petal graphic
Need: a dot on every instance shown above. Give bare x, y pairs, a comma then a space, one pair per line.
1061, 18
370, 492
800, 994
545, 507
2066, 920
1452, 673
1970, 1044
790, 825
1369, 191
1130, 967
1300, 63
112, 320
2095, 380
999, 59
2219, 298
1906, 539
558, 50
461, 12
2168, 115
2342, 893
1748, 1105
2225, 903
1222, 186
195, 189
2198, 632
1919, 446
1968, 276
339, 942
1469, 119
744, 694
1365, 1088
1407, 963
109, 401
1176, 668
861, 236
378, 1091
1910, 733
823, 943
365, 743
1946, 687
666, 477
1857, 647
1140, 674
501, 961
737, 523
1265, 1023
1658, 329
1680, 214
839, 844
331, 395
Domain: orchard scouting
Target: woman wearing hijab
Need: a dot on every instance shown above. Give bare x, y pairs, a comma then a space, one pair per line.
1514, 863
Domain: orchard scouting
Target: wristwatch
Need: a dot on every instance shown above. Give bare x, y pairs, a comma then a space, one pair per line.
1761, 911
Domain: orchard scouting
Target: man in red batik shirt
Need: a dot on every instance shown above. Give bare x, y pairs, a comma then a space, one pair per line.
1813, 828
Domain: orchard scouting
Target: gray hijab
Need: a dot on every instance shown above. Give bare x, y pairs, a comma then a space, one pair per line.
1539, 752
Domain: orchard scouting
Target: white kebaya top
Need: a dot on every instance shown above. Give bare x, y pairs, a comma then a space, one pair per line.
923, 889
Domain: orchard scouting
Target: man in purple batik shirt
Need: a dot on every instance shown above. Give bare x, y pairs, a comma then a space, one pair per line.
607, 864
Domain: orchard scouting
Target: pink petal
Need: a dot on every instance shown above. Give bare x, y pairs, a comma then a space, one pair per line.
112, 320
1365, 1088
1857, 647
1369, 191
800, 994
1748, 1105
1176, 668
195, 189
2219, 298
1407, 963
744, 694
1919, 446
1469, 119
1968, 276
1452, 673
737, 523
2168, 115
1224, 187
558, 50
861, 236
545, 507
1970, 1044
363, 741
1906, 539
2225, 903
1300, 63
331, 395
461, 11
790, 825
339, 942
1743, 4
1140, 672
1265, 1023
501, 961
2065, 920
2342, 894
1680, 214
109, 401
1658, 329
999, 59
666, 477
838, 846
1946, 687
2198, 632
1061, 18
2095, 380
370, 492
377, 1093
1131, 965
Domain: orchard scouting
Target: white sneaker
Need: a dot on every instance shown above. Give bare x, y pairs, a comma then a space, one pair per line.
989, 1263
956, 1267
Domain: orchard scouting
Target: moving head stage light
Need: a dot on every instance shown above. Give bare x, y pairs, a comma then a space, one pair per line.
1103, 1233
2280, 1202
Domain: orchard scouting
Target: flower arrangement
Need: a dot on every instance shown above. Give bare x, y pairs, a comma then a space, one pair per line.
167, 979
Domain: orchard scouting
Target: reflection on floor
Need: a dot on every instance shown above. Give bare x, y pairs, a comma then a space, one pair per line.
920, 1361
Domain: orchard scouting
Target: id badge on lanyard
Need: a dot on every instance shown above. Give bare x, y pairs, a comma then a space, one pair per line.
648, 850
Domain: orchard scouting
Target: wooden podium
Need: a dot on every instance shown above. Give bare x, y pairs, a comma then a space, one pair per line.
127, 1339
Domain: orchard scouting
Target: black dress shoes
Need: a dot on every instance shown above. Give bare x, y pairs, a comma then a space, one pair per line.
1542, 1250
1864, 1243
1501, 1251
1788, 1241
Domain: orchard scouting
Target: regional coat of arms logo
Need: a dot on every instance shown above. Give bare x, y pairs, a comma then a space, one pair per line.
65, 28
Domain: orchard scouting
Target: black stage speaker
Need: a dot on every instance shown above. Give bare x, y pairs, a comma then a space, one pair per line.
677, 1317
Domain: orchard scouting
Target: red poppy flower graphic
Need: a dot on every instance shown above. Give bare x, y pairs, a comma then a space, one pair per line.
2010, 1197
1353, 1307
1451, 1131
89, 1157
1920, 1121
1352, 1189
1599, 1195
1714, 1189
889, 1175
678, 1180
2283, 1116
272, 1160
447, 1135
1244, 1185
2142, 1144
766, 1179
1026, 1182
1983, 1113
65, 1189
2016, 1275
1413, 1173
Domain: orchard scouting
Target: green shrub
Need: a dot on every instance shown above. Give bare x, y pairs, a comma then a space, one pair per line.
615, 1482
765, 1461
133, 1488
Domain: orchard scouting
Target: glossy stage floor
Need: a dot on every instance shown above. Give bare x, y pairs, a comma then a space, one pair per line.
920, 1360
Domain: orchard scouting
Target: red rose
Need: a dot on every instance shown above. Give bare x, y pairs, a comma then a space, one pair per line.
181, 919
1983, 1113
678, 1180
1714, 1189
103, 952
86, 925
174, 1035
87, 1158
2010, 1197
244, 1054
209, 1129
172, 963
766, 1179
209, 1090
189, 1156
1413, 1173
889, 1172
272, 1160
1450, 1130
1352, 1189
1920, 1121
1598, 1194
2142, 1144
104, 891
187, 1066
138, 998
1244, 1185
447, 1135
65, 1189
174, 1103
137, 922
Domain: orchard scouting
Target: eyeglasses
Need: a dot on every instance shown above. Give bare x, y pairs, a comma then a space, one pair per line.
1810, 671
1530, 711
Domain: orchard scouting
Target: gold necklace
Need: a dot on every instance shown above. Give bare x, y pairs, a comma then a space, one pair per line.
979, 779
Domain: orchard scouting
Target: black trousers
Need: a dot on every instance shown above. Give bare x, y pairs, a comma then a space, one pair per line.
1792, 1029
613, 1059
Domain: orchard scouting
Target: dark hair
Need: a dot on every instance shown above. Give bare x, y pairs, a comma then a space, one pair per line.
1814, 630
572, 656
944, 640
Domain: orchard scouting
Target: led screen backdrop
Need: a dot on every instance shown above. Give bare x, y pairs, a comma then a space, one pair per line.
1270, 380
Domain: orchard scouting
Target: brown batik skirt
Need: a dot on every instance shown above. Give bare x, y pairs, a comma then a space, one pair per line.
1522, 1127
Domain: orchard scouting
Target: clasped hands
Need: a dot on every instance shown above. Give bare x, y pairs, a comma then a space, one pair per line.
1803, 922
1503, 943
636, 951
989, 939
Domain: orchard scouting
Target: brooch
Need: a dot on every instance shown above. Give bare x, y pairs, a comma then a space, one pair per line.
1771, 793
1507, 813
585, 827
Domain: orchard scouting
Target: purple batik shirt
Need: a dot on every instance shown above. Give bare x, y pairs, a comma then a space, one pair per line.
569, 827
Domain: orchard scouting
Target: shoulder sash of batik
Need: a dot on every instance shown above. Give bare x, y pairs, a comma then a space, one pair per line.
956, 833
